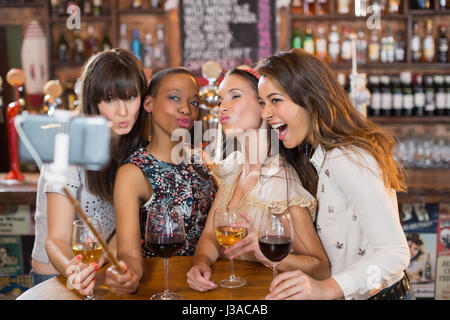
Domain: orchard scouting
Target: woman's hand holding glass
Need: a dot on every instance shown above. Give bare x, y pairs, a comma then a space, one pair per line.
122, 283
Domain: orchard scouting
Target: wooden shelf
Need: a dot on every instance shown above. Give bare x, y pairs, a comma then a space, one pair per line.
67, 64
428, 185
404, 119
344, 17
434, 66
89, 19
141, 11
429, 12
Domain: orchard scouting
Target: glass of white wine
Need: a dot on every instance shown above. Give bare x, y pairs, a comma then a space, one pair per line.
227, 235
85, 243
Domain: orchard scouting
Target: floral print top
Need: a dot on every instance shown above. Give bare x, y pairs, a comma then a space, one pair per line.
187, 185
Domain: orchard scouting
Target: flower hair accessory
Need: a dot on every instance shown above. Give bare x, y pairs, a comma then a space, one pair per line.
250, 70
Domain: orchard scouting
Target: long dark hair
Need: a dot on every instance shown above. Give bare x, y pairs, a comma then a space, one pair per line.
336, 123
116, 73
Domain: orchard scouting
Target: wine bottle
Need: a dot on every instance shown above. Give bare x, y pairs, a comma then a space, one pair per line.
419, 96
440, 94
442, 45
408, 95
136, 45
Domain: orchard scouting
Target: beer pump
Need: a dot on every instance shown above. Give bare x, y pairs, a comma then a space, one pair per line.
16, 78
52, 101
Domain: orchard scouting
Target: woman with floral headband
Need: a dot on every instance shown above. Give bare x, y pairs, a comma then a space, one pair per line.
252, 185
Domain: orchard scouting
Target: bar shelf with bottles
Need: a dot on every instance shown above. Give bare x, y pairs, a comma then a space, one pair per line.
412, 35
22, 3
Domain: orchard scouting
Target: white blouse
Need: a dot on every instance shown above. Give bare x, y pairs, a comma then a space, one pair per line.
358, 222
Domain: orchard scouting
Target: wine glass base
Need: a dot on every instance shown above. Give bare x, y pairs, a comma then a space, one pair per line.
167, 296
233, 282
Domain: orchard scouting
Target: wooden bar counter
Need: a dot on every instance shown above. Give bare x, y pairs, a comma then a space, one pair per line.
258, 281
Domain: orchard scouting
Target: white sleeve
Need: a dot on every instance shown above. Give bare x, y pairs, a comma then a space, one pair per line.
73, 183
379, 220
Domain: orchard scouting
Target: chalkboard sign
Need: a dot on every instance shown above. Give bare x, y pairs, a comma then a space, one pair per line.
230, 32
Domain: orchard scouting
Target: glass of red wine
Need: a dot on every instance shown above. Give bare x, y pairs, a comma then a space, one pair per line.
165, 236
275, 236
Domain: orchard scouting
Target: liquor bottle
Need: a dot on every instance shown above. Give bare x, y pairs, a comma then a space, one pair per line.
78, 47
442, 44
297, 6
160, 48
296, 38
61, 8
136, 4
447, 93
346, 48
124, 42
63, 48
321, 44
423, 4
375, 95
440, 95
361, 47
430, 104
397, 96
333, 45
321, 7
342, 79
148, 51
155, 4
343, 6
408, 95
87, 7
308, 41
55, 7
97, 9
428, 273
428, 43
106, 43
393, 6
374, 47
70, 97
386, 96
419, 96
416, 46
361, 7
387, 49
136, 45
308, 7
91, 46
400, 47
443, 4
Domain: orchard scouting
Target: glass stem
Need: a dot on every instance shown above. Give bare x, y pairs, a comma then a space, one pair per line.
166, 276
275, 270
232, 276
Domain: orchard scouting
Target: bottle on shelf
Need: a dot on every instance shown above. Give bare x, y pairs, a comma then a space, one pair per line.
136, 4
386, 95
387, 50
87, 7
375, 95
444, 4
361, 47
63, 48
422, 4
297, 6
346, 47
308, 7
447, 94
393, 6
361, 7
70, 96
321, 43
428, 43
155, 4
374, 47
124, 42
54, 4
321, 7
296, 41
136, 45
78, 47
407, 92
430, 103
344, 6
334, 48
440, 94
106, 43
416, 44
428, 272
308, 41
342, 79
397, 96
442, 54
97, 7
91, 46
160, 48
419, 96
400, 47
148, 51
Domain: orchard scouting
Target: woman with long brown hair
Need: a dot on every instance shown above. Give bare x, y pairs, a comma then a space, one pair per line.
114, 86
348, 161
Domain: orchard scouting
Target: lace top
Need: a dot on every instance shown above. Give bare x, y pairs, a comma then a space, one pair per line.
187, 185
